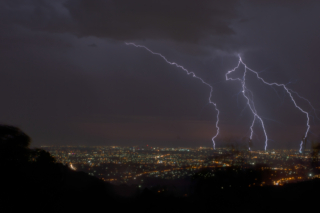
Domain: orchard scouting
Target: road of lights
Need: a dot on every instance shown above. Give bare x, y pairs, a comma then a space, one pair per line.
246, 93
193, 75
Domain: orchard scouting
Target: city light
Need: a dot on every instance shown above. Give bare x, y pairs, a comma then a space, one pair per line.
122, 165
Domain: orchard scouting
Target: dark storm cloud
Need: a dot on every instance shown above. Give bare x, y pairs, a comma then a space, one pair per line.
32, 22
179, 20
43, 15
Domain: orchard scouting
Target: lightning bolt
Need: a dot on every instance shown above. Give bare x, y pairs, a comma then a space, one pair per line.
314, 110
250, 102
246, 92
193, 75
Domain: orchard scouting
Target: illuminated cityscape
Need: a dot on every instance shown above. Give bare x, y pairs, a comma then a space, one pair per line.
159, 106
133, 165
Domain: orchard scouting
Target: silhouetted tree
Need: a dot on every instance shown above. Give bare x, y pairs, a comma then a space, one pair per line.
250, 144
11, 136
315, 149
33, 176
14, 151
304, 144
41, 156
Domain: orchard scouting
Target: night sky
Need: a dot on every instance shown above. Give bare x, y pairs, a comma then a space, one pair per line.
67, 77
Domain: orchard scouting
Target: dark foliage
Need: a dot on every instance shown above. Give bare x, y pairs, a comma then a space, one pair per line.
32, 180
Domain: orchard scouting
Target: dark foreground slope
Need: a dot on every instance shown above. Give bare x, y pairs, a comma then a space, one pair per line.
209, 197
33, 181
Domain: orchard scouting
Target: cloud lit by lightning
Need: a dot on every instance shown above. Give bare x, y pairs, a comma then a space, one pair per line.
193, 75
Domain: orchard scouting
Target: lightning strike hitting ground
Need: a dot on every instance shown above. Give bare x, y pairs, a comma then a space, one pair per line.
193, 75
250, 103
246, 92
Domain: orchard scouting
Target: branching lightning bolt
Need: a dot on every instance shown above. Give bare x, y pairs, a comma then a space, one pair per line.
193, 75
250, 102
246, 92
314, 110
